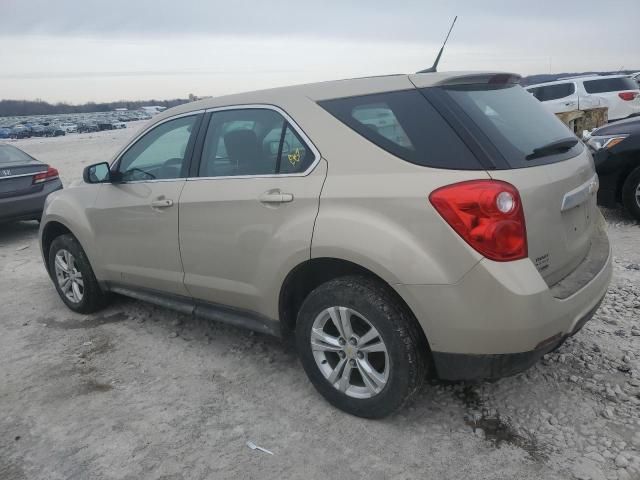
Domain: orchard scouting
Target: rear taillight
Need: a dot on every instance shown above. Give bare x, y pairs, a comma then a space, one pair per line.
50, 174
628, 96
487, 214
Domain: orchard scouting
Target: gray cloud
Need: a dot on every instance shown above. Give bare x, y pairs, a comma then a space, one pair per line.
410, 20
80, 50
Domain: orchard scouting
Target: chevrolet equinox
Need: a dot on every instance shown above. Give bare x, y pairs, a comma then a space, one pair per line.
392, 227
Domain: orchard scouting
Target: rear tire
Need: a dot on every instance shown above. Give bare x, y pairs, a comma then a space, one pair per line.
381, 364
73, 276
631, 193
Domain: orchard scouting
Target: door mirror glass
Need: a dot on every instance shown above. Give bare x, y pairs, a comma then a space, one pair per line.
97, 173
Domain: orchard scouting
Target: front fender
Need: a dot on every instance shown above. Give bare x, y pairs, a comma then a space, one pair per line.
68, 207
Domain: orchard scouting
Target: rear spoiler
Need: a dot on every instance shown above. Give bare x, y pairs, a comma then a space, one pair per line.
464, 78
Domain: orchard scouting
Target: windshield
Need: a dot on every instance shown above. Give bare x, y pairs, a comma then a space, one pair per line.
513, 120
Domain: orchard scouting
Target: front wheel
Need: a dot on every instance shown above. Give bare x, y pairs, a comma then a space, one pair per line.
360, 347
73, 276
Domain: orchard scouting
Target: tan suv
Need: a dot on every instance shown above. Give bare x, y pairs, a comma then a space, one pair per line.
393, 226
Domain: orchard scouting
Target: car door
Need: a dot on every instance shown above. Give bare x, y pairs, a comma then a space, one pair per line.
246, 218
135, 218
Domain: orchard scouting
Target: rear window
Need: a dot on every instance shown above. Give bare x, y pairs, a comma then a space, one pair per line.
553, 92
514, 122
610, 85
12, 156
405, 124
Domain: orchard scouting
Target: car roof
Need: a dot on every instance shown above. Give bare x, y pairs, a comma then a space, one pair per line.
337, 89
575, 79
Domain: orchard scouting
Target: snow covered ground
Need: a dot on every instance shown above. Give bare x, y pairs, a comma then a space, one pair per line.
139, 392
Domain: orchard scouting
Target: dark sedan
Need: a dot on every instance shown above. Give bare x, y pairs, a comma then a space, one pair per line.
24, 184
54, 131
616, 152
20, 131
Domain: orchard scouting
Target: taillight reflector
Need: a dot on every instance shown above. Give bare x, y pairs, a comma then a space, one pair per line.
628, 96
487, 214
50, 174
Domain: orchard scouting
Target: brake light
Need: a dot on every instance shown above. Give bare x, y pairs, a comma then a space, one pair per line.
628, 96
50, 174
487, 214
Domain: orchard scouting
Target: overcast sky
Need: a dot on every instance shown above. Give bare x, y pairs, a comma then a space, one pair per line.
88, 50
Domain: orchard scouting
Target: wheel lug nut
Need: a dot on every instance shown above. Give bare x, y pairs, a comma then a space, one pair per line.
341, 341
342, 354
353, 341
360, 355
352, 362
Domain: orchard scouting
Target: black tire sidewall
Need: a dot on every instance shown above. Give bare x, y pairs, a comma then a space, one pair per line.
629, 193
384, 315
93, 296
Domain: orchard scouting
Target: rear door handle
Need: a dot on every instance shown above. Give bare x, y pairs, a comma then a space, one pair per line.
276, 197
164, 203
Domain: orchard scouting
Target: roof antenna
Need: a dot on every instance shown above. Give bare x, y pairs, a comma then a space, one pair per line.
435, 64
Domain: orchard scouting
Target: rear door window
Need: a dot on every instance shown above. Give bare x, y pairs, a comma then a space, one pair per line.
405, 124
252, 141
553, 92
514, 122
610, 85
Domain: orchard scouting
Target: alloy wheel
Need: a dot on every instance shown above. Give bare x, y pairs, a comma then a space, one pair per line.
350, 352
69, 278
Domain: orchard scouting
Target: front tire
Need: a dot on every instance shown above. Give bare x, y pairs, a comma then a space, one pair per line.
73, 276
631, 193
360, 346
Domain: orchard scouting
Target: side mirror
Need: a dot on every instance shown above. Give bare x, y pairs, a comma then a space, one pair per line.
97, 173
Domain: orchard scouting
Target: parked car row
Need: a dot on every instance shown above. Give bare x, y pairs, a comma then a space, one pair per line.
51, 126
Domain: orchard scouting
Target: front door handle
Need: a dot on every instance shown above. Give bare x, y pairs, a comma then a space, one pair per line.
276, 197
164, 203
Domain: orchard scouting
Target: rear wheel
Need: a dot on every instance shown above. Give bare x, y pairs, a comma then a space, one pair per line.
360, 347
73, 276
631, 193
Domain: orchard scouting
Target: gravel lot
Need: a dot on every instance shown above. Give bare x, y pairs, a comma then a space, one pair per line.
139, 392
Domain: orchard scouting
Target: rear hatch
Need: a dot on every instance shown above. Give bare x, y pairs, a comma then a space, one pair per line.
531, 149
17, 170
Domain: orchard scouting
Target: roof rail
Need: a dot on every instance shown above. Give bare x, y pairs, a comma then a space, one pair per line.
580, 76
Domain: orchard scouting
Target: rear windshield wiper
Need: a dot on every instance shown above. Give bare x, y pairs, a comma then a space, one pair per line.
557, 146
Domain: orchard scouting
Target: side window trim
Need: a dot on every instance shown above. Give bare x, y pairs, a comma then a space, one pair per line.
288, 122
283, 132
189, 157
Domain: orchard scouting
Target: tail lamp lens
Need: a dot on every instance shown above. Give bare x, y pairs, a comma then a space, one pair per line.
50, 174
487, 214
627, 96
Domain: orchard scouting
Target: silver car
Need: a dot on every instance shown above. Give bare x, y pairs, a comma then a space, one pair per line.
393, 227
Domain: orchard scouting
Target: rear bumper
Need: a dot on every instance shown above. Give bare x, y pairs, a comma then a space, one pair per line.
27, 207
459, 366
502, 317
